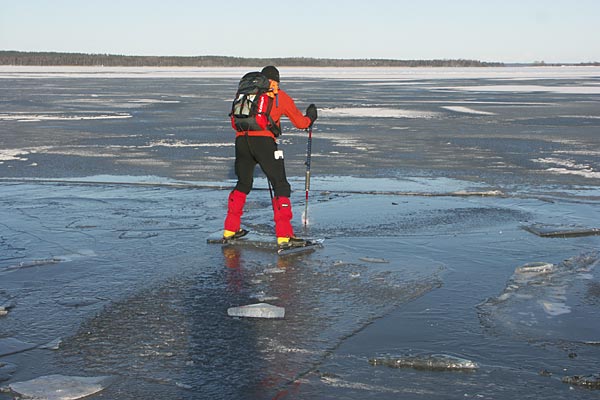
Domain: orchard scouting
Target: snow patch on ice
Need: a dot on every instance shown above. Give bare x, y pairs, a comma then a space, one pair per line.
526, 89
376, 112
467, 110
568, 167
12, 154
580, 116
182, 143
154, 101
25, 117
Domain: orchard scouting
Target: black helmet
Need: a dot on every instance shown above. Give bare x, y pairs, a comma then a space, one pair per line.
271, 72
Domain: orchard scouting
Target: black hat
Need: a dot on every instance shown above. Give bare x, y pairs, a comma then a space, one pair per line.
271, 72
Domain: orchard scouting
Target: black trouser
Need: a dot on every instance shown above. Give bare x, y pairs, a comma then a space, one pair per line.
252, 150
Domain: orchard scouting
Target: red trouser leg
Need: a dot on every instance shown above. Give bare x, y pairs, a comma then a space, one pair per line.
282, 212
235, 209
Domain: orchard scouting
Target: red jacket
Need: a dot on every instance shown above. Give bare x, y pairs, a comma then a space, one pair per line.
283, 104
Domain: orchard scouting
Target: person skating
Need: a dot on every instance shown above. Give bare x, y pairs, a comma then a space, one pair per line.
254, 147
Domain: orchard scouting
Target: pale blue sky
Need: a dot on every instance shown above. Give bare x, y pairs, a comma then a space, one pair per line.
487, 30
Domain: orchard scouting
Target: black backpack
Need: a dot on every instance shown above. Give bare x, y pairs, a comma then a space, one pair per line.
252, 105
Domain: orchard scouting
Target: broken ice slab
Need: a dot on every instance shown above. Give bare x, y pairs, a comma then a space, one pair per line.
12, 346
53, 345
5, 306
536, 268
60, 387
561, 231
375, 260
430, 362
589, 381
262, 297
34, 263
258, 310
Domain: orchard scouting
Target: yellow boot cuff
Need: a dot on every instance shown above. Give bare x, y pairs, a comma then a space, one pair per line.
228, 234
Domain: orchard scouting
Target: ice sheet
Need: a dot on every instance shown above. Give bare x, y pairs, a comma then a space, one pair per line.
358, 73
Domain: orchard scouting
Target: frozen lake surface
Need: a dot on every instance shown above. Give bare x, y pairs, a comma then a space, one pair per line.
434, 191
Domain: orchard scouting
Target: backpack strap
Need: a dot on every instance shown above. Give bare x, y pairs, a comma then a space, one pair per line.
272, 126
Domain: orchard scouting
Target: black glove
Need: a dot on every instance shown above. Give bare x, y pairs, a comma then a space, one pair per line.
311, 112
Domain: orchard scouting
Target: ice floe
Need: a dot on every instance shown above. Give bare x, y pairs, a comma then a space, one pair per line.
5, 306
377, 260
60, 387
562, 231
35, 263
52, 345
431, 362
259, 310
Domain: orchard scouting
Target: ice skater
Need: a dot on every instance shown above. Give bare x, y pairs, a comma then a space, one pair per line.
259, 146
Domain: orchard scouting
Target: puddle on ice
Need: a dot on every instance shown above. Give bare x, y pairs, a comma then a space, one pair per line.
546, 302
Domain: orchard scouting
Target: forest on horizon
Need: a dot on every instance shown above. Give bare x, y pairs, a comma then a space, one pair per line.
113, 60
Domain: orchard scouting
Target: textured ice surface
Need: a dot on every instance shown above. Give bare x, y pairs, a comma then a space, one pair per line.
60, 387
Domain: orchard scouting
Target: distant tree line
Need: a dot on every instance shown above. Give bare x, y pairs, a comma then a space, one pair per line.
112, 60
